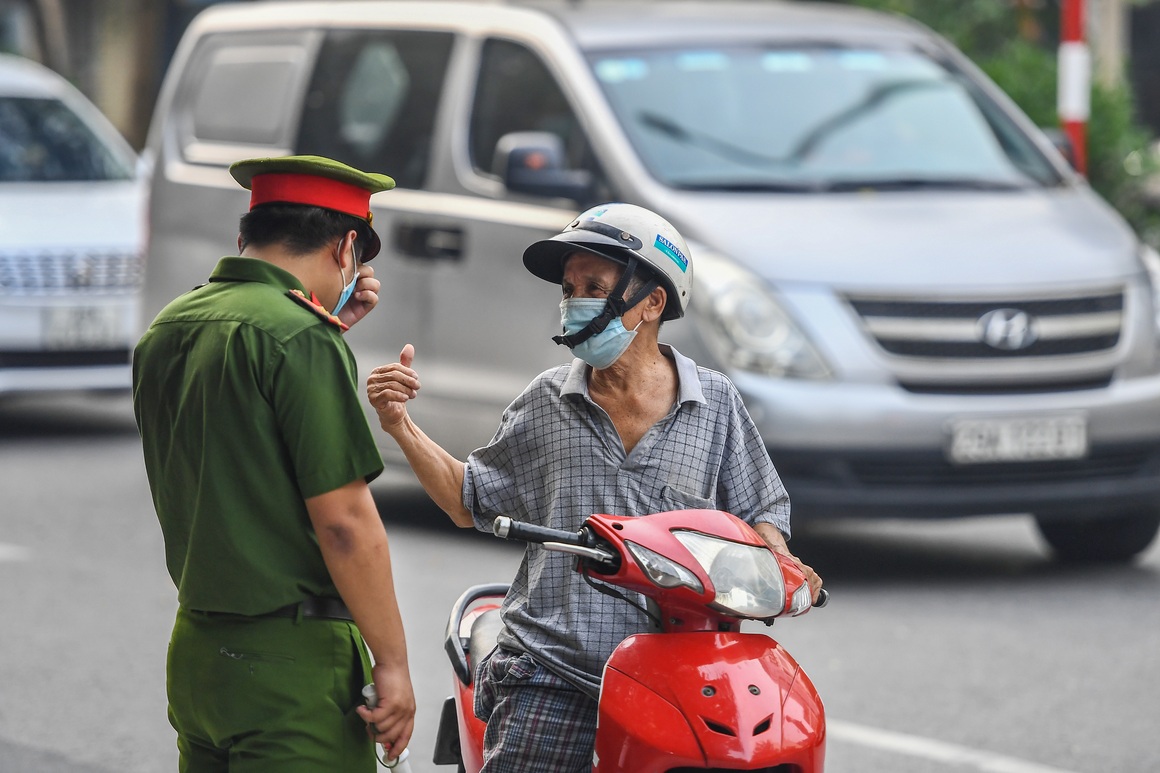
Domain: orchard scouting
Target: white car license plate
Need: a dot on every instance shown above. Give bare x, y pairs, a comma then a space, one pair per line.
82, 327
975, 441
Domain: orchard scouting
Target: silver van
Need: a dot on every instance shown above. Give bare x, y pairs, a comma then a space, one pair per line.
928, 313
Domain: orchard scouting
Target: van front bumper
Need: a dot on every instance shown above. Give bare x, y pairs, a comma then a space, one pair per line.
857, 451
920, 484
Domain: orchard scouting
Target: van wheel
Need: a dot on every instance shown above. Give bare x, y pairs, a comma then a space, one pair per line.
1110, 538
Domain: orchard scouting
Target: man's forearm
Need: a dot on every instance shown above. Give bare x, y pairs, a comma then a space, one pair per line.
773, 537
440, 473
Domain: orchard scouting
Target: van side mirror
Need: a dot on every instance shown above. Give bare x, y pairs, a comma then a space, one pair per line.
1062, 142
534, 163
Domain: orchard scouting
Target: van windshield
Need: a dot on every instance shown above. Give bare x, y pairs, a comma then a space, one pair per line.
42, 140
814, 119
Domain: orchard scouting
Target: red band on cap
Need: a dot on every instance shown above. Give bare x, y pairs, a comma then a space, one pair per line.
310, 189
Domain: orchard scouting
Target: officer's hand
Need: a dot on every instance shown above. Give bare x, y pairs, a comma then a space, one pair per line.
389, 387
364, 298
393, 720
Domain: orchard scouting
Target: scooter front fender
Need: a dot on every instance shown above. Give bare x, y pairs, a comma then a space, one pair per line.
707, 700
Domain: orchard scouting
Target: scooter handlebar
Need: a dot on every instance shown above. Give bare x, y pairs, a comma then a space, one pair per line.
506, 528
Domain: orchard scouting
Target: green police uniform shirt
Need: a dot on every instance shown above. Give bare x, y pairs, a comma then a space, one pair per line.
247, 405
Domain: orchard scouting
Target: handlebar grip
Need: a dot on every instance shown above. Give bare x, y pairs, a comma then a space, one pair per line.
823, 598
507, 528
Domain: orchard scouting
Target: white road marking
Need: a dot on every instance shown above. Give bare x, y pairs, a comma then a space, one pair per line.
917, 746
14, 553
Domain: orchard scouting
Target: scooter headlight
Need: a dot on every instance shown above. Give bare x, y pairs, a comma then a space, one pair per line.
747, 579
802, 600
663, 571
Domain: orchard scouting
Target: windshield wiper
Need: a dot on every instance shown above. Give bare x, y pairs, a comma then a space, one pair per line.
753, 186
687, 136
923, 183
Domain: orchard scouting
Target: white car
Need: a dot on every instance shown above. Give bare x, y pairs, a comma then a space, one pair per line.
71, 238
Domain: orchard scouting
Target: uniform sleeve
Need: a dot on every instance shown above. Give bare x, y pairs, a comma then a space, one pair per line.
749, 486
323, 424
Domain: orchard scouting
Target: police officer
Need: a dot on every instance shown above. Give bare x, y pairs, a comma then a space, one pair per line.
258, 454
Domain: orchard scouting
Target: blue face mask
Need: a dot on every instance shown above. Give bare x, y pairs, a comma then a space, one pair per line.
604, 348
346, 291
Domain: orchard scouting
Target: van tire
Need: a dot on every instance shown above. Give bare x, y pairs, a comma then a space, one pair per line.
1111, 538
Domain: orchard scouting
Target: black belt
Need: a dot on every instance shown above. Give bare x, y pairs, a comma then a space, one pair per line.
312, 606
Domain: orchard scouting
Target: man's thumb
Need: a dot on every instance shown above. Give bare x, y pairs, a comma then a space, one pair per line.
407, 356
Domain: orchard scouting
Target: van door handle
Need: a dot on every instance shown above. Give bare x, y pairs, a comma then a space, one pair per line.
432, 242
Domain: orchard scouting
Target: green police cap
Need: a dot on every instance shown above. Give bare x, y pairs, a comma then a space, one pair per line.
314, 181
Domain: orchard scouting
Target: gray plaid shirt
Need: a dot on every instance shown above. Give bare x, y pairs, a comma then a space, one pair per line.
557, 458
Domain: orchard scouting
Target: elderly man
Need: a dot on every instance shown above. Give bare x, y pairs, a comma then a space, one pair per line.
630, 427
258, 455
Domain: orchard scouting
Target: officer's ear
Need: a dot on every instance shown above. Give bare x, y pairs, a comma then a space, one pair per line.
347, 246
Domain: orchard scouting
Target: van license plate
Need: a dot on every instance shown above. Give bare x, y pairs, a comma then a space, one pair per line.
975, 441
82, 327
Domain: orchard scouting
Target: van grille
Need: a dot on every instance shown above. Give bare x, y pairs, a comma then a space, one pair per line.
69, 273
990, 329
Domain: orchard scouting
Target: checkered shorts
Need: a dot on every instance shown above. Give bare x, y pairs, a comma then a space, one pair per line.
536, 721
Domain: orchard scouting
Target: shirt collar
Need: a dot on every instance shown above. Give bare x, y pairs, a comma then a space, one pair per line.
238, 269
688, 382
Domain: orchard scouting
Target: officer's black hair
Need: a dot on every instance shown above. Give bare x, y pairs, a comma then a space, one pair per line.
300, 228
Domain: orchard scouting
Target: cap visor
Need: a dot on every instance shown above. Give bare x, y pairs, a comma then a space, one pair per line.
546, 258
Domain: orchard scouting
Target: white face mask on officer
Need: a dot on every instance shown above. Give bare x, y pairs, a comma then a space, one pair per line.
348, 289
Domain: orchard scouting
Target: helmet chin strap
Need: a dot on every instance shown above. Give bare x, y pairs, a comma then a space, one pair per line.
614, 306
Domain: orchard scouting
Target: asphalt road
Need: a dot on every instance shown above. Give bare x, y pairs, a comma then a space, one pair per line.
955, 647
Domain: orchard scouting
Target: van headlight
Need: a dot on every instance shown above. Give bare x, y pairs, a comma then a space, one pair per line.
1151, 260
748, 325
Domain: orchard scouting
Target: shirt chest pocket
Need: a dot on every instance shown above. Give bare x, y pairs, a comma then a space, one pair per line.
676, 499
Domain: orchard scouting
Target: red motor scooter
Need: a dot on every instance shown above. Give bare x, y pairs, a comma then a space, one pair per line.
699, 695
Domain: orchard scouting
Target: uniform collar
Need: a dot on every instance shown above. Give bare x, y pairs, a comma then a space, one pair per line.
239, 269
688, 383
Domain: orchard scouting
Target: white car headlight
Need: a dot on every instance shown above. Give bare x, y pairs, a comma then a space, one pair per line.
1151, 260
749, 325
747, 580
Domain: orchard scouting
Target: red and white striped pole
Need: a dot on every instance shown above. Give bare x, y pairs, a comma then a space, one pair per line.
1075, 79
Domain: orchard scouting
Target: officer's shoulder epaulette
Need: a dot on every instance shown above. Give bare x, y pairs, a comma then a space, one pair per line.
315, 306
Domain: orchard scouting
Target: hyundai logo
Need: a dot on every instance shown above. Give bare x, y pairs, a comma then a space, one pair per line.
1007, 329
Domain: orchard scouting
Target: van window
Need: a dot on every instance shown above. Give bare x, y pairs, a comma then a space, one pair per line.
373, 99
516, 93
239, 94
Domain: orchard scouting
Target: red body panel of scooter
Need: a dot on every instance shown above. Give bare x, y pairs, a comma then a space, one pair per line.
726, 700
701, 695
470, 729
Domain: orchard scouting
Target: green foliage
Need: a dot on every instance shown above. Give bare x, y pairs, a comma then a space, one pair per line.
994, 34
978, 27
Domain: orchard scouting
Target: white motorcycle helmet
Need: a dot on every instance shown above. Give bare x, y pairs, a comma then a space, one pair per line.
631, 236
